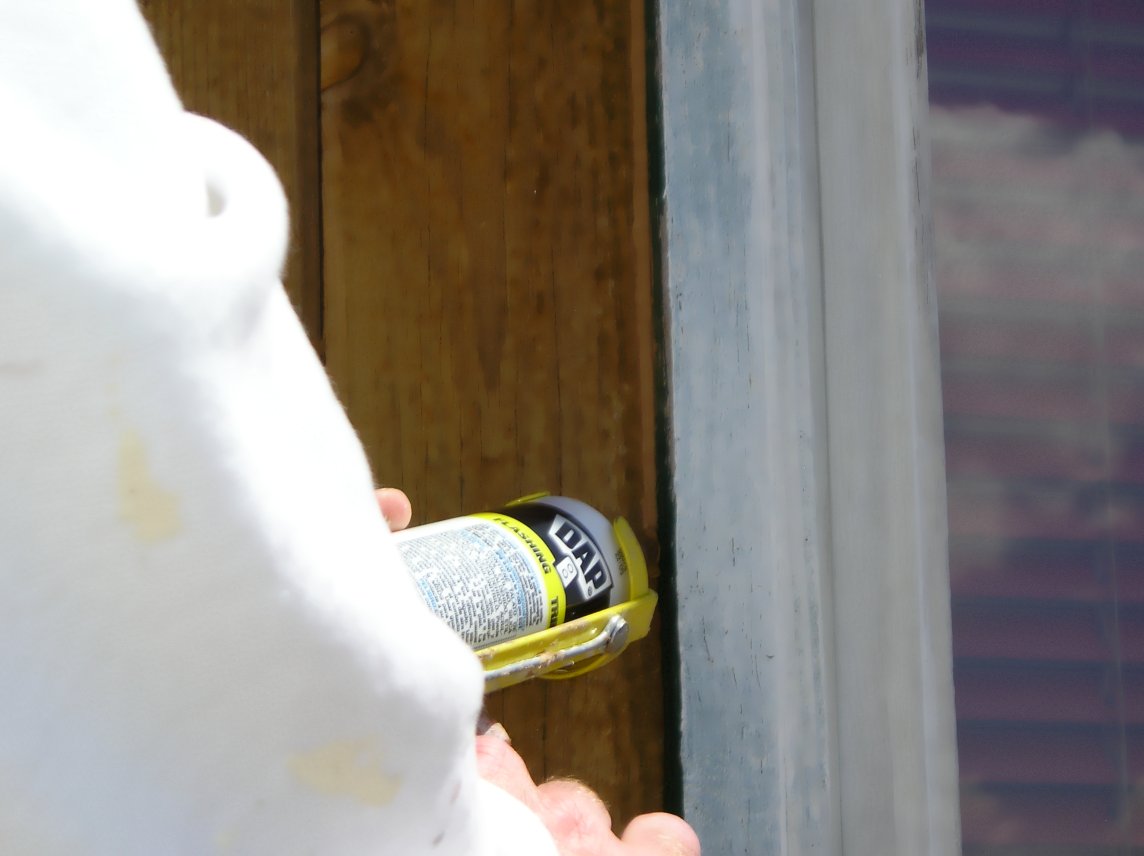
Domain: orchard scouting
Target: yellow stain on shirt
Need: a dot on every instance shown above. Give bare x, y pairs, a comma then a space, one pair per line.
224, 841
348, 768
151, 509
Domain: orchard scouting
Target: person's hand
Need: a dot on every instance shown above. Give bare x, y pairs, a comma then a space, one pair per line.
576, 817
395, 507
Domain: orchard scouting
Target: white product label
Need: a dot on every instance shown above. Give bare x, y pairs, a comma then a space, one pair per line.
479, 577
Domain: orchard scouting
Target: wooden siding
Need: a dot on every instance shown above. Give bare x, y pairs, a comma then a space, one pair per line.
472, 248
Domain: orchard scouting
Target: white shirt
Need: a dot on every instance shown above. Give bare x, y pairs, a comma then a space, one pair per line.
208, 643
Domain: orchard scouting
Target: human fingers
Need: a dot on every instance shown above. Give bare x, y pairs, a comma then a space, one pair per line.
660, 834
395, 507
498, 763
577, 818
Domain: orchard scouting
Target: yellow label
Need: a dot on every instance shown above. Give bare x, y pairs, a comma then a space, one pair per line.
543, 559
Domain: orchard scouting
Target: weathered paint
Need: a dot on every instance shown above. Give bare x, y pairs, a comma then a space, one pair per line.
747, 434
805, 430
897, 749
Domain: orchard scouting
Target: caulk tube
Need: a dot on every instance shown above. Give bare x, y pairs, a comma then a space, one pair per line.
537, 563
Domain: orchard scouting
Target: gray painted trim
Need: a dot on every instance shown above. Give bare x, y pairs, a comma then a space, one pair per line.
897, 744
808, 468
748, 442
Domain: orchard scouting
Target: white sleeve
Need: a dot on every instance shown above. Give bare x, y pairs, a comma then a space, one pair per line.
208, 643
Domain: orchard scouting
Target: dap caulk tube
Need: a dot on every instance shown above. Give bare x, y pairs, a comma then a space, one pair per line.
544, 587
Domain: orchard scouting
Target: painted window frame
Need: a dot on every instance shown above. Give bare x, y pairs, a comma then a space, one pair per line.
807, 516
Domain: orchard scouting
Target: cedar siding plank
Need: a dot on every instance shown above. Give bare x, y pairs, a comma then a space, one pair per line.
488, 300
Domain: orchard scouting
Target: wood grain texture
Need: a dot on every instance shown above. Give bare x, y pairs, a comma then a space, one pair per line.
488, 298
253, 66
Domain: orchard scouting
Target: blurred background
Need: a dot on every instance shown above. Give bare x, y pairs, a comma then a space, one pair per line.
1037, 123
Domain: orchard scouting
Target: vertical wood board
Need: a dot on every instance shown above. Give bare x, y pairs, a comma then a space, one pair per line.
488, 299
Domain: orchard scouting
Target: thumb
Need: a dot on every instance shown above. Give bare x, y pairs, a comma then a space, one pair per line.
661, 834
